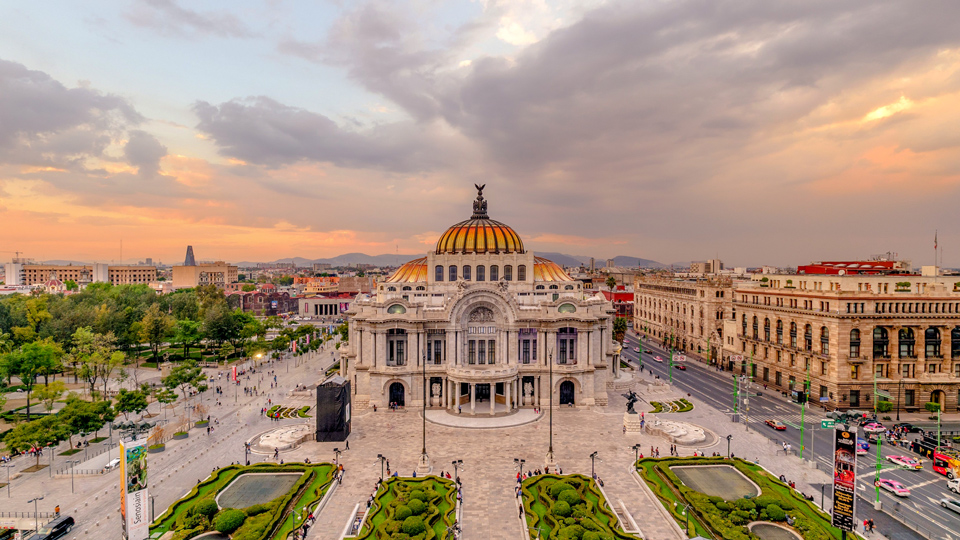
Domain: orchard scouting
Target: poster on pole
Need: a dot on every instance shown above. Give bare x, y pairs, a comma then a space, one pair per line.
133, 490
844, 478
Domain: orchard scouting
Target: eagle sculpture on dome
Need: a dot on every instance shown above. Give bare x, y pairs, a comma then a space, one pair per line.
479, 205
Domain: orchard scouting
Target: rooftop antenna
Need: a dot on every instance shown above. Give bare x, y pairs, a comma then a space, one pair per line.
121, 252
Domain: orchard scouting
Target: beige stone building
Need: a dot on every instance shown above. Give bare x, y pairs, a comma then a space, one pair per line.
485, 317
685, 313
218, 273
38, 274
848, 332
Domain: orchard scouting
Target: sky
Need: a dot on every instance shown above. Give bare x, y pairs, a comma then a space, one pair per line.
754, 131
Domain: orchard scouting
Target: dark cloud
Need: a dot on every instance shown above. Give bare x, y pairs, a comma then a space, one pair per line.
144, 152
169, 18
262, 131
43, 122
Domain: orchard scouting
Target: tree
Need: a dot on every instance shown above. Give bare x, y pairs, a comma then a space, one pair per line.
185, 376
71, 285
94, 357
78, 416
220, 324
155, 327
619, 329
189, 334
36, 434
246, 326
611, 283
128, 401
248, 287
165, 397
32, 360
50, 393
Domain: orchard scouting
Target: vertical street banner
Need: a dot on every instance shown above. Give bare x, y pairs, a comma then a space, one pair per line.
844, 478
234, 374
133, 490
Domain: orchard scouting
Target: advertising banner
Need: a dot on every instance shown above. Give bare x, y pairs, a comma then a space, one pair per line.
844, 478
133, 490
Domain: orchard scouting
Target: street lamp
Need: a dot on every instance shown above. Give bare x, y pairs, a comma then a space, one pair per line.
72, 463
336, 456
636, 454
550, 459
519, 463
8, 467
246, 453
593, 458
36, 515
457, 464
728, 445
686, 517
424, 458
382, 461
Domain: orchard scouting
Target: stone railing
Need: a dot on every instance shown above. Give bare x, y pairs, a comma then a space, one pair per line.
479, 372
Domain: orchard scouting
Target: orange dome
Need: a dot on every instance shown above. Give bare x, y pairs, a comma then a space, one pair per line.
479, 234
547, 270
411, 272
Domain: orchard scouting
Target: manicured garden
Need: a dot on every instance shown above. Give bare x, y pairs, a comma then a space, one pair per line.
568, 507
718, 517
681, 405
411, 508
198, 511
289, 412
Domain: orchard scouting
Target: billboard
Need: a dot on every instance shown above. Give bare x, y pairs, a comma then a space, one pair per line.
844, 478
133, 490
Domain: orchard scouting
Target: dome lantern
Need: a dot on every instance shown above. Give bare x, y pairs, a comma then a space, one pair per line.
479, 234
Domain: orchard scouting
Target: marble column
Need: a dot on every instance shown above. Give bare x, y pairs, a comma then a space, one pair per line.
536, 391
506, 391
493, 398
473, 398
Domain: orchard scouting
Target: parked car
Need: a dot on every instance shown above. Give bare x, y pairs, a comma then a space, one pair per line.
58, 528
908, 428
906, 462
894, 487
776, 424
954, 485
951, 504
658, 359
873, 427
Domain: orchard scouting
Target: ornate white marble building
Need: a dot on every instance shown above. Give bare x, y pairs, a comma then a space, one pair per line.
483, 317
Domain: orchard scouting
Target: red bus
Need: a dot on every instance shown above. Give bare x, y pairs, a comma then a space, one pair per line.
946, 461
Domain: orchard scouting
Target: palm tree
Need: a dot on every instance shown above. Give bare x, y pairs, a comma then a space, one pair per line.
619, 329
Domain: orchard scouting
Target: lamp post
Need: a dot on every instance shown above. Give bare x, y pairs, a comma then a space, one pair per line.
152, 507
686, 517
8, 467
336, 456
728, 445
424, 465
899, 396
593, 458
36, 515
550, 458
457, 465
519, 463
72, 463
246, 453
636, 454
382, 461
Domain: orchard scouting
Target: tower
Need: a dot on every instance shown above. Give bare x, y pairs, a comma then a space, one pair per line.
190, 261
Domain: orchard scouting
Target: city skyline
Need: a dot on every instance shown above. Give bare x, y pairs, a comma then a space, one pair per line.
765, 133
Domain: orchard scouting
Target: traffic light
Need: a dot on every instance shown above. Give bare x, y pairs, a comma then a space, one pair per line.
802, 397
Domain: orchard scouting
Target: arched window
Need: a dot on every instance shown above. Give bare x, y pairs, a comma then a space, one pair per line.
421, 288
779, 332
793, 335
554, 287
521, 272
508, 272
907, 343
808, 337
494, 273
438, 273
766, 329
391, 288
452, 273
406, 288
539, 287
881, 343
467, 272
824, 340
568, 288
855, 343
931, 338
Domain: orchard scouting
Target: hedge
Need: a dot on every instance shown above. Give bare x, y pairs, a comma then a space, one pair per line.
570, 506
394, 507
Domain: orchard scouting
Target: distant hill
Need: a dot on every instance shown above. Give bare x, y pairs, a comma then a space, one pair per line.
562, 259
624, 260
393, 260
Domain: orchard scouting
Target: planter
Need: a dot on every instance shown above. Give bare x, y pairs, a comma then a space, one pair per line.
156, 449
179, 436
202, 424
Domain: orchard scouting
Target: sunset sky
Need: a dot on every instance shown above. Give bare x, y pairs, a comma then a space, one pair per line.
760, 132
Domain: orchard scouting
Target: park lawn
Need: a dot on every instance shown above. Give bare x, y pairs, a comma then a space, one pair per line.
593, 515
811, 523
392, 494
315, 491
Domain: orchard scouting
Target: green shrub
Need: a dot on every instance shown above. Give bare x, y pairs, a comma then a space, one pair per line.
740, 517
417, 506
418, 495
206, 507
403, 512
561, 509
723, 506
413, 526
884, 406
746, 505
257, 509
569, 496
775, 513
932, 406
571, 532
229, 520
591, 535
557, 487
195, 521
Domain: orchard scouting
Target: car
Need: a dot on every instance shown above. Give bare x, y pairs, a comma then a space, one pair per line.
906, 462
873, 427
776, 424
908, 428
862, 446
893, 486
658, 359
58, 528
681, 367
951, 504
636, 349
954, 485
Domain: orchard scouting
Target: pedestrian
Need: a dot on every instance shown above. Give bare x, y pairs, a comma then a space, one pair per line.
624, 430
348, 445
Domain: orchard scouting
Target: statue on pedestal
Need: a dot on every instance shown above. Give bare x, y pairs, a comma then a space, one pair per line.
632, 398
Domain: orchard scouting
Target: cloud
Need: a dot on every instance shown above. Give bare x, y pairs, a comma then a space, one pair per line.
144, 152
169, 18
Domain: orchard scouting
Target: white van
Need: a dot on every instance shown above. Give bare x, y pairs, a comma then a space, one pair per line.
114, 463
954, 485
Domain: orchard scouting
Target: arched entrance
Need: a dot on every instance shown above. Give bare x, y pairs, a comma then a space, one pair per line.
397, 394
938, 396
566, 393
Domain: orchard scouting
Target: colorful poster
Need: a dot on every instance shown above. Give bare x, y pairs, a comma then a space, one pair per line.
844, 478
133, 490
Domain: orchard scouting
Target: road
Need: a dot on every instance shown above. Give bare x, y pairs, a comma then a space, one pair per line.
716, 388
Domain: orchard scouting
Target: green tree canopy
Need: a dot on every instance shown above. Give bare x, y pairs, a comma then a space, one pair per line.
156, 326
185, 376
33, 360
38, 433
130, 401
94, 358
189, 333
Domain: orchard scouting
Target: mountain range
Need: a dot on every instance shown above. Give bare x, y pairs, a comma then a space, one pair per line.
394, 260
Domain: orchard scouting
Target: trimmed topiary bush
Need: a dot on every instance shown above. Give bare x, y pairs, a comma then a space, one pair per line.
418, 495
413, 526
403, 512
932, 406
561, 509
416, 506
557, 487
206, 507
884, 406
775, 513
569, 496
229, 520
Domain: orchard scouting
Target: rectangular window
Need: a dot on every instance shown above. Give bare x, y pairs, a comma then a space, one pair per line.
525, 358
855, 371
823, 368
931, 368
854, 398
508, 272
779, 378
494, 273
400, 352
881, 370
472, 352
437, 351
562, 359
482, 352
779, 355
956, 370
492, 347
909, 398
766, 374
481, 273
823, 391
